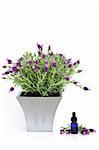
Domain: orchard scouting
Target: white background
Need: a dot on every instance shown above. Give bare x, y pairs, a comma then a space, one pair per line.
70, 26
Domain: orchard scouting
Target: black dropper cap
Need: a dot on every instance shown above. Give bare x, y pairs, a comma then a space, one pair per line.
74, 118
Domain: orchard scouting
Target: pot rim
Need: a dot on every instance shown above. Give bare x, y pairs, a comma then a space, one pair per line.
37, 96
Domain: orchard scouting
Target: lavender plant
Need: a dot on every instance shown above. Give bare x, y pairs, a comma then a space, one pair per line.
43, 74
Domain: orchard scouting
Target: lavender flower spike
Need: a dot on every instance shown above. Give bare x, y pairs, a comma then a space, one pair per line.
20, 59
4, 66
79, 71
78, 61
46, 62
69, 61
14, 69
50, 52
11, 89
61, 54
35, 62
62, 131
86, 88
43, 55
36, 68
49, 48
68, 131
6, 73
92, 130
75, 63
30, 62
46, 67
18, 64
70, 65
4, 78
40, 46
67, 78
9, 61
53, 63
75, 82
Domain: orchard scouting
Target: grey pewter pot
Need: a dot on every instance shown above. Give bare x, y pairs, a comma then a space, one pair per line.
39, 112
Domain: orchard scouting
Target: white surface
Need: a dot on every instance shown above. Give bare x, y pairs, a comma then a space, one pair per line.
70, 26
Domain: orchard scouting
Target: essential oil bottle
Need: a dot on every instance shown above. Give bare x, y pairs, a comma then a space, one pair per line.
74, 125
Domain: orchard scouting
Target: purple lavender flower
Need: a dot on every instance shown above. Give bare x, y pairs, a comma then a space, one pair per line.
4, 66
43, 55
9, 61
10, 71
78, 61
18, 64
11, 89
68, 131
4, 78
30, 62
69, 61
49, 48
39, 46
79, 71
65, 61
37, 67
85, 131
46, 62
62, 131
92, 130
61, 54
75, 82
70, 65
14, 69
46, 67
40, 53
86, 88
54, 63
75, 63
50, 53
20, 59
67, 78
35, 62
6, 73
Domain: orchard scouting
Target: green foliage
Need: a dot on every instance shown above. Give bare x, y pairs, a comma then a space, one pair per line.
45, 74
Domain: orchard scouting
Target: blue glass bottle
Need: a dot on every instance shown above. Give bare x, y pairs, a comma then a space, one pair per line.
74, 125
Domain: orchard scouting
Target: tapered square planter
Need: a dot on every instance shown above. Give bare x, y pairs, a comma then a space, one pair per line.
39, 112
